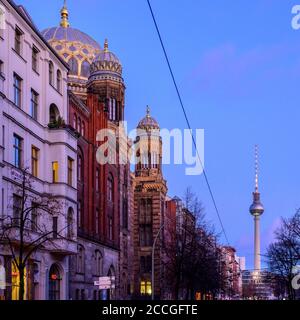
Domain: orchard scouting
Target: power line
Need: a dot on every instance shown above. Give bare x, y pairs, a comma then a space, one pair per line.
187, 120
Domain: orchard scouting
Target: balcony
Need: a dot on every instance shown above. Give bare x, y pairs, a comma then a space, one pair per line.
62, 246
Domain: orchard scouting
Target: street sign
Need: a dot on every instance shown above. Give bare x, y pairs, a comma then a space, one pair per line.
106, 283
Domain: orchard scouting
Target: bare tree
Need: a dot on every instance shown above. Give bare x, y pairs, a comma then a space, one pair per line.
192, 256
28, 224
284, 254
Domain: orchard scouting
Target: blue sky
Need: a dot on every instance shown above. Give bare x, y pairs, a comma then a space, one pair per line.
237, 64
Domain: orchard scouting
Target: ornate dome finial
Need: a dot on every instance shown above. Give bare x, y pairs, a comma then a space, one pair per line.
148, 112
106, 46
64, 16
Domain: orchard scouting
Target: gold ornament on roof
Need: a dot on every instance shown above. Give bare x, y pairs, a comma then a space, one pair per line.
64, 16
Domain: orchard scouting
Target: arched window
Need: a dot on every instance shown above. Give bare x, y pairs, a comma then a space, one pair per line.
110, 188
70, 223
74, 121
80, 165
54, 283
98, 263
58, 80
73, 64
82, 128
54, 113
112, 110
51, 73
79, 125
85, 69
80, 259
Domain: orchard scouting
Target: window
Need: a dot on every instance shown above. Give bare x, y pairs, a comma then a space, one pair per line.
17, 207
110, 228
54, 283
79, 125
97, 180
17, 90
35, 54
73, 64
98, 263
85, 69
58, 80
34, 105
125, 213
110, 188
112, 109
34, 217
54, 113
70, 171
97, 221
79, 168
34, 161
82, 128
80, 260
146, 288
75, 121
51, 73
55, 168
18, 151
79, 214
54, 227
70, 223
146, 235
18, 40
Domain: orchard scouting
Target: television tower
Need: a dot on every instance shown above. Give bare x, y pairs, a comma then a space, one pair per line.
256, 209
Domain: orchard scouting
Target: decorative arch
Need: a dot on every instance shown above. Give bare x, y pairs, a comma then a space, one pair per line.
80, 164
55, 279
85, 69
53, 113
80, 265
51, 73
73, 64
58, 80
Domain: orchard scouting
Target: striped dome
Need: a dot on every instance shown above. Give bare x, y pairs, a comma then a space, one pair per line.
69, 35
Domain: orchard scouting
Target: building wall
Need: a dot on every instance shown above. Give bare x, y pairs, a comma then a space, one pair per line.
53, 145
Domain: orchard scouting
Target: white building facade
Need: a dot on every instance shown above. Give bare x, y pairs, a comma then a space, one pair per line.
33, 136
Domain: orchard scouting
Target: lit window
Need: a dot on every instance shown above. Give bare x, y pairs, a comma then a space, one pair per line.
55, 168
75, 121
145, 288
34, 161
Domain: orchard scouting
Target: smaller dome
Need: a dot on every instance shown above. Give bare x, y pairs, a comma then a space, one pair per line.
148, 122
106, 62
